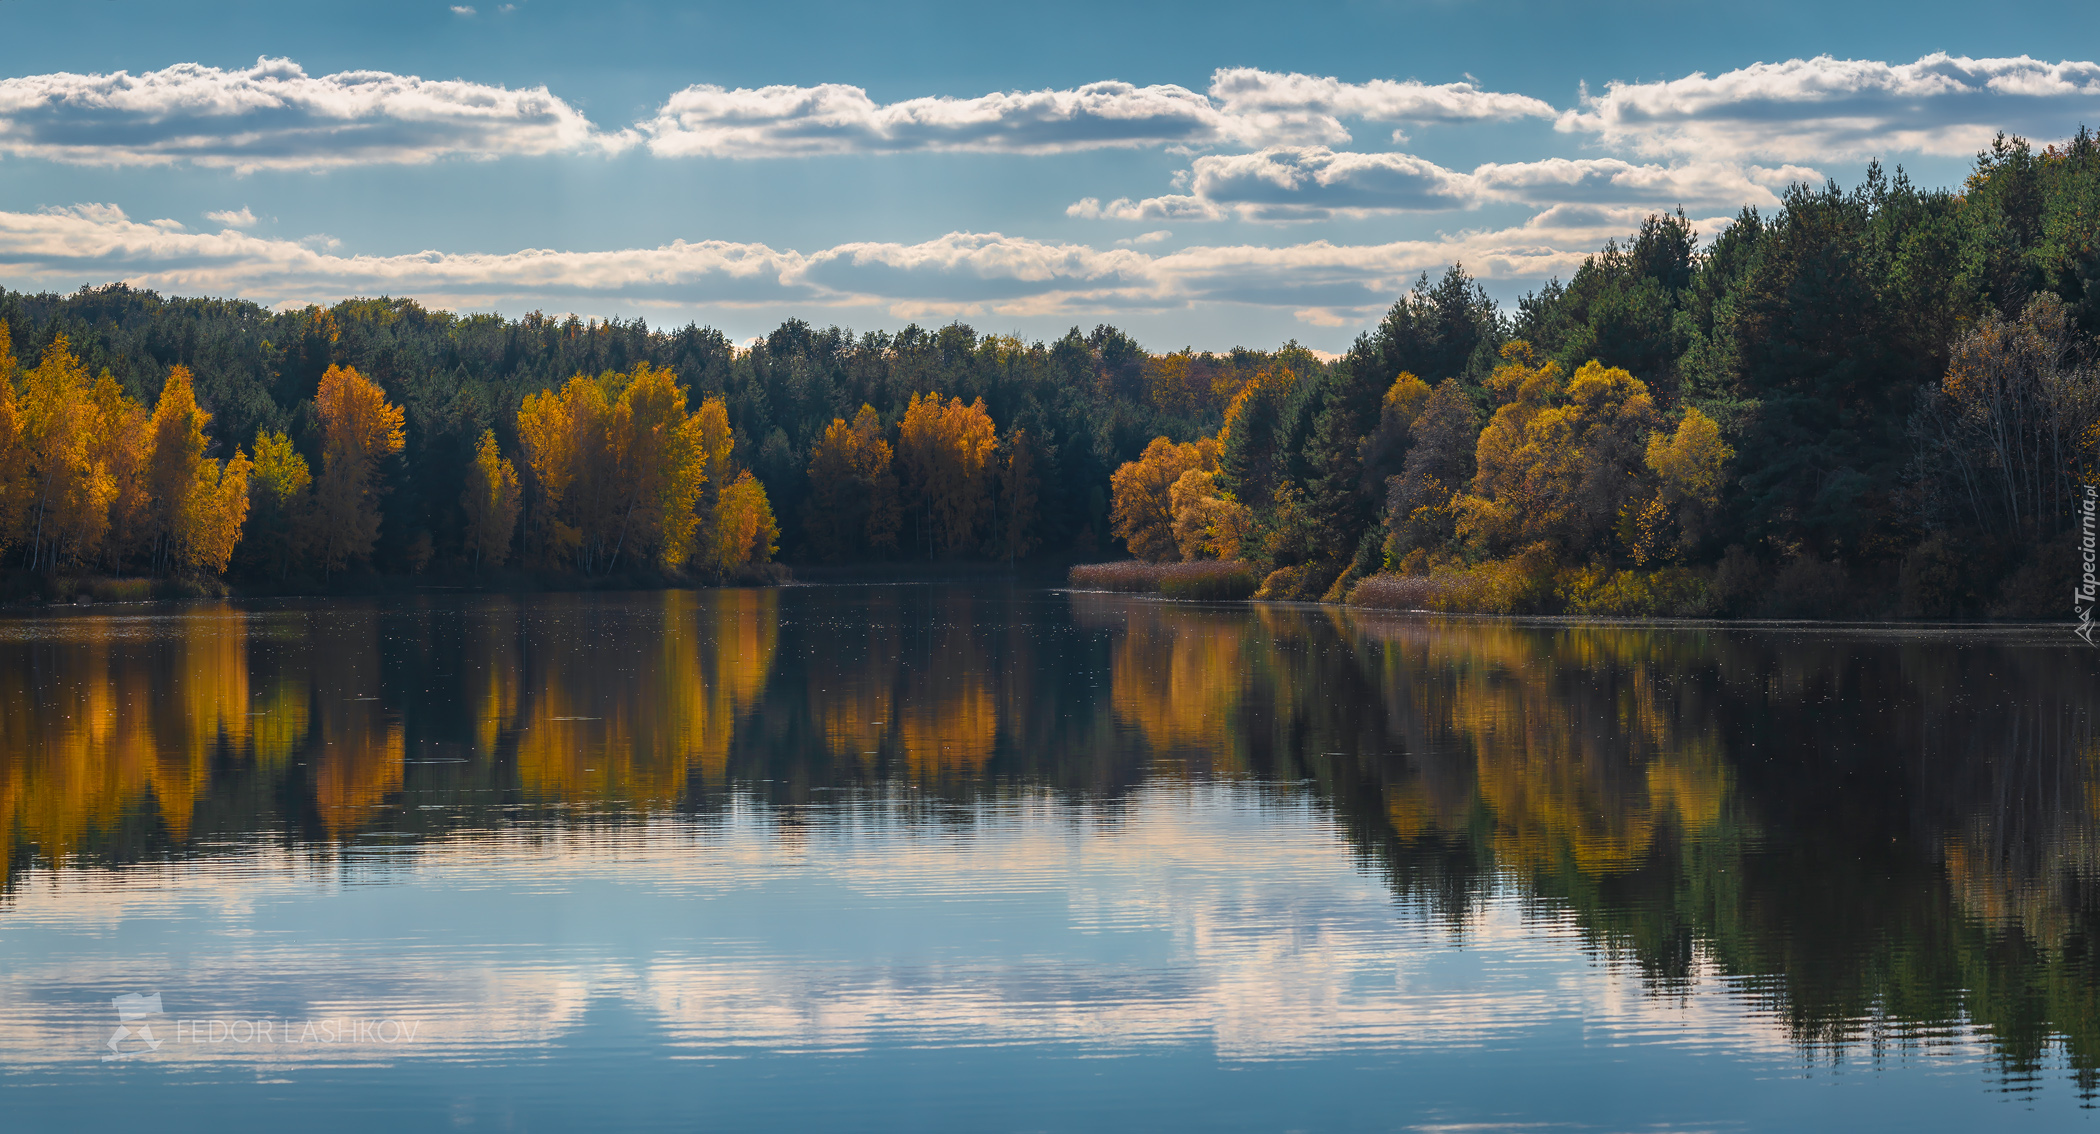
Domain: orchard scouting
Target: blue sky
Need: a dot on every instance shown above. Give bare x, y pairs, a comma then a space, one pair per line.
1204, 175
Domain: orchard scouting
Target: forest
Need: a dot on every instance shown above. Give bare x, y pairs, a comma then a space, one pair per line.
1872, 401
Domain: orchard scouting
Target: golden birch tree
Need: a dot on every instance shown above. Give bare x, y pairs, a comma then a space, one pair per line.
360, 430
492, 501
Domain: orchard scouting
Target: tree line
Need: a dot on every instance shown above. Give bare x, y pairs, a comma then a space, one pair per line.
592, 448
1874, 401
1871, 399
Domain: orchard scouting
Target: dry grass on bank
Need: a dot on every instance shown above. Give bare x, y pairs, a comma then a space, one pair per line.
1529, 583
1205, 579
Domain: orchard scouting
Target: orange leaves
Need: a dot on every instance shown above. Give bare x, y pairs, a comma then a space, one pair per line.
613, 480
215, 506
659, 466
945, 451
853, 490
88, 477
1207, 523
1273, 385
71, 483
357, 422
717, 442
359, 429
14, 461
197, 506
1143, 496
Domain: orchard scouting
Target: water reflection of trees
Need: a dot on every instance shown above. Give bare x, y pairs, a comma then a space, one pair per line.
1871, 836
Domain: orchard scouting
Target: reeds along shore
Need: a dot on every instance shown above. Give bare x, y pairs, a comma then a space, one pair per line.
1206, 580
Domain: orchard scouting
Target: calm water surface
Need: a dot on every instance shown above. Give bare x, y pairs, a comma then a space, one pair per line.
907, 857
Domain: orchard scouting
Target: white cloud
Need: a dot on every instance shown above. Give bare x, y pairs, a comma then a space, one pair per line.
1172, 207
1825, 108
1603, 180
233, 218
1314, 182
1244, 107
956, 273
275, 116
1309, 183
782, 121
462, 9
54, 247
1153, 237
1309, 108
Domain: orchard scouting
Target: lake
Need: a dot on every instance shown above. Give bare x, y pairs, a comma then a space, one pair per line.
995, 858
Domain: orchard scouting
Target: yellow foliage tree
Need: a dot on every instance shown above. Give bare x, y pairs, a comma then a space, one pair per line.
717, 440
174, 460
745, 532
492, 501
1405, 398
945, 451
718, 461
360, 429
1558, 466
852, 489
1691, 460
547, 434
14, 459
1688, 465
1142, 500
71, 486
660, 466
1207, 523
1168, 380
214, 510
278, 503
614, 478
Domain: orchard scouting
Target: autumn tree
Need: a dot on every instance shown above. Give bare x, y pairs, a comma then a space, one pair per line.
279, 500
1383, 451
1251, 452
659, 466
1174, 383
360, 430
214, 510
1207, 524
2009, 431
492, 501
1688, 465
945, 451
614, 469
1439, 465
718, 462
547, 432
1143, 503
745, 534
70, 486
174, 460
852, 504
14, 460
1557, 465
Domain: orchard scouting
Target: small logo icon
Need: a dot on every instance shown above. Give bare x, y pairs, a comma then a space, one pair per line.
133, 1011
